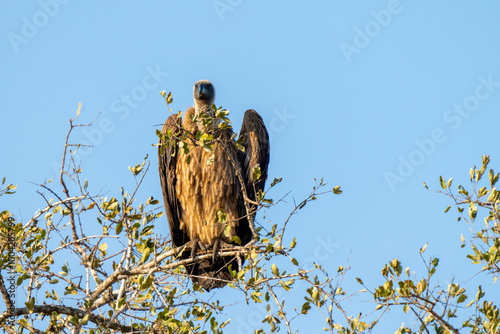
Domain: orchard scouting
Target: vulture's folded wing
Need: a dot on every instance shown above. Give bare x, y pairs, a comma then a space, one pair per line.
167, 162
256, 143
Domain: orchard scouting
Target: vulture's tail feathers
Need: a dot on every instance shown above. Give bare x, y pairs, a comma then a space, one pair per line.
209, 274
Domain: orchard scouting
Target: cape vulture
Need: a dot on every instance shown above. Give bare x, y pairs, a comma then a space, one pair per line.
195, 191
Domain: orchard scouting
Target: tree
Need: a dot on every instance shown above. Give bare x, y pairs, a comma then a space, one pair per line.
449, 309
127, 278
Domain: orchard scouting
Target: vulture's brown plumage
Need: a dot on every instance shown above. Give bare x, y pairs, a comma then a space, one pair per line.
193, 192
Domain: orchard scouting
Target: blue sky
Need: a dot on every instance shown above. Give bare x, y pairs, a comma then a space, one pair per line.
376, 96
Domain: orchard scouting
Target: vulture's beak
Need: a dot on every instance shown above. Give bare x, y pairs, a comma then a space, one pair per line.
204, 91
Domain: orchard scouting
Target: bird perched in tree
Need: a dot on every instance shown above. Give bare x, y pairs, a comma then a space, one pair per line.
203, 190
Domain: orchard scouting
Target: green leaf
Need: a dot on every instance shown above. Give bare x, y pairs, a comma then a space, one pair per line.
480, 294
145, 254
255, 296
121, 302
422, 250
274, 270
103, 247
135, 170
276, 181
220, 217
305, 308
442, 182
30, 304
119, 228
227, 230
256, 172
494, 194
336, 190
240, 147
472, 211
472, 172
236, 240
79, 107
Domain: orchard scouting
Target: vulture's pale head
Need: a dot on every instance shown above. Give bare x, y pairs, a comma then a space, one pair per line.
203, 95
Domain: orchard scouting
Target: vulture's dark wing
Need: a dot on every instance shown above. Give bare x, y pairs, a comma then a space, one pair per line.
256, 143
167, 162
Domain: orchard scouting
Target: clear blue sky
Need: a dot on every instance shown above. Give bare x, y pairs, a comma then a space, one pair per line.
376, 96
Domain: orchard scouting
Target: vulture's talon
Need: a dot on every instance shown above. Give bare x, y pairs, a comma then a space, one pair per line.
194, 245
218, 244
216, 249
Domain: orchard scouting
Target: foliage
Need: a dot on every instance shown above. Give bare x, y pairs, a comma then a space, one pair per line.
93, 264
89, 263
450, 309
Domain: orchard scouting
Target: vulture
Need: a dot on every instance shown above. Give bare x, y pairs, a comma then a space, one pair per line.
197, 189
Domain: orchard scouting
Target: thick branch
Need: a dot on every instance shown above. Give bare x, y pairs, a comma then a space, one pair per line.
5, 294
440, 320
48, 309
8, 329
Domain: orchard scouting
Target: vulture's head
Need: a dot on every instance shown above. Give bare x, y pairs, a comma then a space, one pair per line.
204, 95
